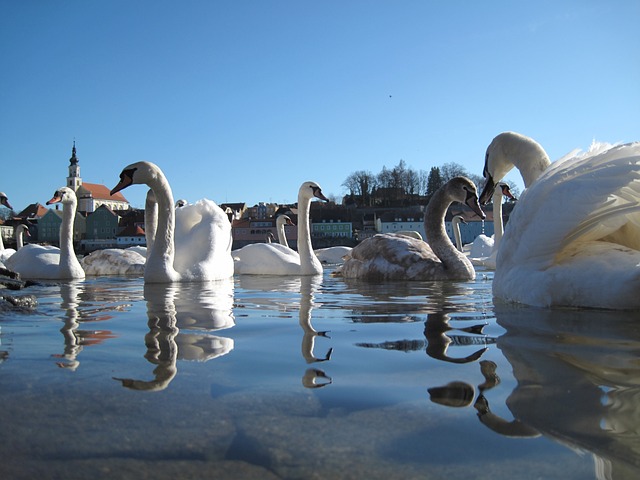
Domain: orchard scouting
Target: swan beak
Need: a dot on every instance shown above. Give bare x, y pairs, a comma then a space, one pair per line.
55, 199
472, 202
125, 181
317, 192
5, 201
487, 191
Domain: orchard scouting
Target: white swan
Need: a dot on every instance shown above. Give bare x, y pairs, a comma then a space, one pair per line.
398, 257
484, 249
281, 221
573, 240
48, 262
275, 259
19, 233
201, 233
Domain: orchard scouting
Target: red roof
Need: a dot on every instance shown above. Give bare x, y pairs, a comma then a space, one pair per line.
102, 192
131, 231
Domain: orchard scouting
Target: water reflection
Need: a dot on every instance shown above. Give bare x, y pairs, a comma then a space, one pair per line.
578, 379
313, 377
578, 383
207, 306
441, 302
74, 338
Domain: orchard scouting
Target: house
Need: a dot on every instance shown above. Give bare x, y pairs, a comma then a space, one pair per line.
401, 221
49, 227
131, 236
101, 229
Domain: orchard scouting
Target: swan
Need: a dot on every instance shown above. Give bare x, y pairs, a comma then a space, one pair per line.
455, 224
573, 240
113, 261
484, 249
276, 259
281, 221
20, 231
398, 257
48, 262
192, 243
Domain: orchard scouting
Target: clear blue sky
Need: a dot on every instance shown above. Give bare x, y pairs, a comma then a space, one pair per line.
241, 100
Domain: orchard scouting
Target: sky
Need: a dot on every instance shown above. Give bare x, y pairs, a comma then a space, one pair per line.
243, 100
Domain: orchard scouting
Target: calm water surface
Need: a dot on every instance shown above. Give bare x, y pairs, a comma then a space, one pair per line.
305, 378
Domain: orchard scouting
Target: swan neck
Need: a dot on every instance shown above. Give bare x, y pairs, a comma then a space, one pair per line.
66, 230
160, 259
309, 263
498, 228
282, 236
437, 237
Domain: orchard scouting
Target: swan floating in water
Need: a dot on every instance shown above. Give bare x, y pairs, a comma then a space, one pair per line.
455, 224
192, 243
573, 240
114, 261
276, 259
398, 257
19, 233
48, 262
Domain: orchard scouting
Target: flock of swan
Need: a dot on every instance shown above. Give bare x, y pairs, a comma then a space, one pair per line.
573, 239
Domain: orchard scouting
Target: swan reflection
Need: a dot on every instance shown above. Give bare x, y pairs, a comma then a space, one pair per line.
75, 339
313, 377
206, 306
578, 383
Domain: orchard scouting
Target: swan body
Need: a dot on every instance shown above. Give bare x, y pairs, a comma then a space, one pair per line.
202, 233
573, 240
276, 259
113, 261
48, 262
398, 257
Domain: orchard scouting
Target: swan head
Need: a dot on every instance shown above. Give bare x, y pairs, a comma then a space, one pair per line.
181, 203
137, 173
463, 190
309, 190
506, 191
508, 150
283, 220
64, 195
5, 201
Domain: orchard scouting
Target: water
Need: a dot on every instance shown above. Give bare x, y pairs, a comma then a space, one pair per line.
314, 378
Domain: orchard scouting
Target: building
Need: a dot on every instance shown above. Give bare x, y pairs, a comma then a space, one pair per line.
92, 195
131, 236
101, 229
49, 227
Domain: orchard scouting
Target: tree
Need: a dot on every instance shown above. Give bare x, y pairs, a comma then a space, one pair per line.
361, 184
434, 182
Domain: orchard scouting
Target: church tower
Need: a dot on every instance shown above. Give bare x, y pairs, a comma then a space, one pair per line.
73, 180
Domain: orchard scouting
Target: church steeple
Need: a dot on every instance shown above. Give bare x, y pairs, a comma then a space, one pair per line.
73, 180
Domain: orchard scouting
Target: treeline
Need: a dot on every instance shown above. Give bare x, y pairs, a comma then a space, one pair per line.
400, 185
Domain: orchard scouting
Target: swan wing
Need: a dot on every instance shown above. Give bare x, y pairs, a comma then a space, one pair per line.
574, 237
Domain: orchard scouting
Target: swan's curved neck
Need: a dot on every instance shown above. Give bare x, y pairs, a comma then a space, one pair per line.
159, 265
437, 236
309, 263
19, 239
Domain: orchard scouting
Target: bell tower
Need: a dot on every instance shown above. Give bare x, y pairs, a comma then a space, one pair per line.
73, 180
